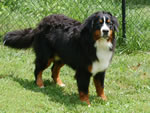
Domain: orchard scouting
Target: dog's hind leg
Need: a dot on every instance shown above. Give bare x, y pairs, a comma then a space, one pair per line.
55, 73
40, 65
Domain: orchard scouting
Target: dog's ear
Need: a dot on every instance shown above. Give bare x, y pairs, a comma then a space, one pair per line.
115, 23
87, 26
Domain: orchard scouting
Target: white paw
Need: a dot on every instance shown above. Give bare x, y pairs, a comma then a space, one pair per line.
62, 85
41, 86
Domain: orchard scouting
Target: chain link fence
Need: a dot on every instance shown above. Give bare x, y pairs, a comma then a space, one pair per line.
138, 23
19, 14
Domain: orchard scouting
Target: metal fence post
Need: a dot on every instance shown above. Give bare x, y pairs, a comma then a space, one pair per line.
123, 19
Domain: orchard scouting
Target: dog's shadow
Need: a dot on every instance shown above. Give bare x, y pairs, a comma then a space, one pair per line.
53, 91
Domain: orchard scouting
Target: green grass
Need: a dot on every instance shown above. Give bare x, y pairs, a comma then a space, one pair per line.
127, 83
127, 86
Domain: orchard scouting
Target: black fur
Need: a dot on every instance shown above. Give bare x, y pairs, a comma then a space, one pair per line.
59, 35
100, 76
20, 39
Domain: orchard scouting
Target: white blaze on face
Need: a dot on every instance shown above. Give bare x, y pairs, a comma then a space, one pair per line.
104, 27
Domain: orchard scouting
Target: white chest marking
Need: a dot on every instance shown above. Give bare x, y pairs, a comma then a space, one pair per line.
104, 56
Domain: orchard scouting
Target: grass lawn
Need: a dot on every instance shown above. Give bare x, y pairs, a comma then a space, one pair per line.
127, 86
127, 83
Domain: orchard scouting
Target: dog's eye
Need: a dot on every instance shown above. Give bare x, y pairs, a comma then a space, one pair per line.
108, 21
101, 21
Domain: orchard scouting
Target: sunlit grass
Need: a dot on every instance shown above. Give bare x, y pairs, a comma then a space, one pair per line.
127, 86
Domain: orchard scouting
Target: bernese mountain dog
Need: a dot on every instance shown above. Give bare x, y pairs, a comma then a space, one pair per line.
86, 47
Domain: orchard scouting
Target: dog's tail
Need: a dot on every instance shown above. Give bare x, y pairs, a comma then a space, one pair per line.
20, 39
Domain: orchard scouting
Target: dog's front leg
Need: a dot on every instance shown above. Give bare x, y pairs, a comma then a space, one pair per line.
83, 80
99, 84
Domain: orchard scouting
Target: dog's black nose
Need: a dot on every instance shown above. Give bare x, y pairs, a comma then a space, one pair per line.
105, 32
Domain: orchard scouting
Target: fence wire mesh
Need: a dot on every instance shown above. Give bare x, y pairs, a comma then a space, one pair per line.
138, 22
19, 14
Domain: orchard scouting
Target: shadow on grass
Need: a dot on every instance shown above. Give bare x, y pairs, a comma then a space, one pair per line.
55, 92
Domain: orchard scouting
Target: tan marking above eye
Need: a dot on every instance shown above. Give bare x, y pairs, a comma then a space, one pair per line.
108, 21
101, 21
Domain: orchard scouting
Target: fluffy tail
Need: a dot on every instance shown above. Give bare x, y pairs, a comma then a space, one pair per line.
20, 39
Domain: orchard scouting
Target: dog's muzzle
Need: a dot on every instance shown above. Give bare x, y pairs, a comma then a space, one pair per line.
105, 33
